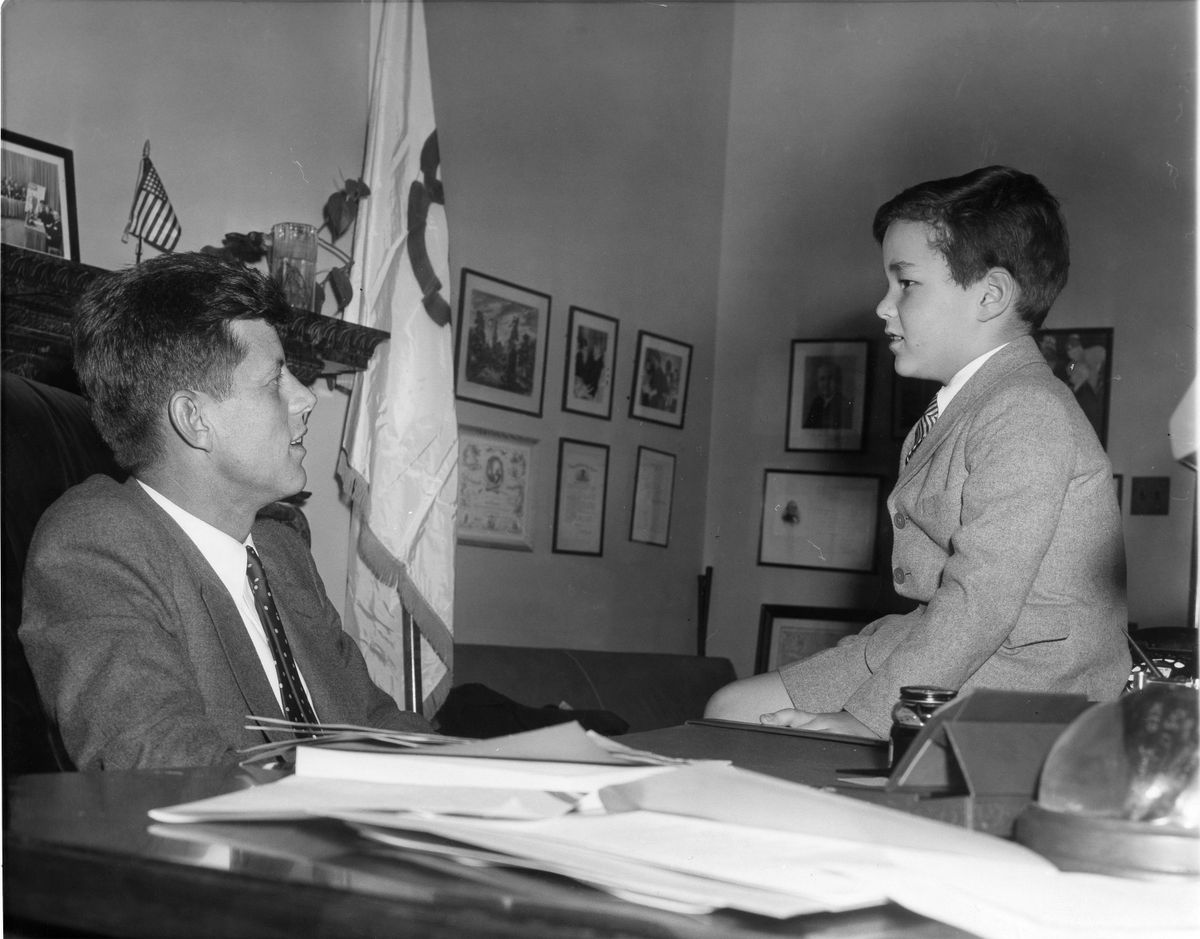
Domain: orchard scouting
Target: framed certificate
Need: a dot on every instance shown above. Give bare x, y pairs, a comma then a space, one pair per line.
579, 500
494, 478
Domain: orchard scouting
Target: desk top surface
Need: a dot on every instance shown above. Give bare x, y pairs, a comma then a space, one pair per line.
129, 876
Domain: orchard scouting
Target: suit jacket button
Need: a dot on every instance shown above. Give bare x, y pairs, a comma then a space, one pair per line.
899, 520
898, 575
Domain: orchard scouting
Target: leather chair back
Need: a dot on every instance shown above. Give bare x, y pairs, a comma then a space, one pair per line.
47, 445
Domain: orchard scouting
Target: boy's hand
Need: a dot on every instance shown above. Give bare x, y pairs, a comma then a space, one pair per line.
838, 723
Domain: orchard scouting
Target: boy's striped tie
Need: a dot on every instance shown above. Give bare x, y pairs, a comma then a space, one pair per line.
927, 421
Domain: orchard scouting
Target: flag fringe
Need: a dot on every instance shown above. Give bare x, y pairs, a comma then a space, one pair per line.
390, 570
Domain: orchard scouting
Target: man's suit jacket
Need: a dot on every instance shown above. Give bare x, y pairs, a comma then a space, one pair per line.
139, 652
1007, 532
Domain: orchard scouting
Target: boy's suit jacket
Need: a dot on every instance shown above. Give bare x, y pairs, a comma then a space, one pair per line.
139, 652
1007, 532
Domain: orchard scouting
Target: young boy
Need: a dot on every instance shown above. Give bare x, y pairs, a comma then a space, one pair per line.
1005, 522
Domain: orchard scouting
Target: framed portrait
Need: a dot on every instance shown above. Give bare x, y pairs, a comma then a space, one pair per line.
1082, 358
580, 496
653, 489
788, 634
910, 398
591, 356
660, 379
494, 480
827, 394
827, 521
37, 196
502, 331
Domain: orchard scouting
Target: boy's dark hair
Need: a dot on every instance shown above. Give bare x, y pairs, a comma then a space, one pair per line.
992, 217
145, 332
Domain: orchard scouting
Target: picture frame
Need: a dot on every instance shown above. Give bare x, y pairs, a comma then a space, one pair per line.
580, 496
827, 521
788, 634
910, 398
653, 492
827, 394
495, 479
37, 196
591, 358
661, 370
502, 333
1082, 358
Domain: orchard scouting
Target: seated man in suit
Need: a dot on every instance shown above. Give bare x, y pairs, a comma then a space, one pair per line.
148, 621
1006, 530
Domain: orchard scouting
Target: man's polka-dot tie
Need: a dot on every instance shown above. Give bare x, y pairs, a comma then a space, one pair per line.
296, 705
923, 425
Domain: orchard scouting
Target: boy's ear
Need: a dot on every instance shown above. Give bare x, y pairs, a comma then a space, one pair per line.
188, 419
999, 294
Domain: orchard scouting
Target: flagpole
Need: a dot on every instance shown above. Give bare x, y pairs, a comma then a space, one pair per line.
137, 187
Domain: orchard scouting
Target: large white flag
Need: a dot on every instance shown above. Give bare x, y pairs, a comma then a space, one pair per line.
400, 447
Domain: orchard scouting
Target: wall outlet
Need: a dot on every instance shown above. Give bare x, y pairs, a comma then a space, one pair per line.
1149, 495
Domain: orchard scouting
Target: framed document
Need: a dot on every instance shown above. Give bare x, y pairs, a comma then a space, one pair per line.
591, 356
827, 394
821, 520
494, 473
788, 634
579, 499
502, 330
653, 488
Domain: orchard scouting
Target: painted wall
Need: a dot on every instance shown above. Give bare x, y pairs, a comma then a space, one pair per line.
705, 171
255, 113
835, 108
583, 156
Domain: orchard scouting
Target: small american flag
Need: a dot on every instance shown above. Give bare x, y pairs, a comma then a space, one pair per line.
151, 218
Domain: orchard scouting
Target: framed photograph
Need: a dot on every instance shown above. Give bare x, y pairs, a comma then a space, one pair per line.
37, 196
494, 479
591, 355
653, 488
788, 634
820, 520
580, 496
660, 379
827, 394
1082, 358
910, 398
502, 330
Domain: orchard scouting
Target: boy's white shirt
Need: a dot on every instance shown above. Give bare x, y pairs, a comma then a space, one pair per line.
947, 392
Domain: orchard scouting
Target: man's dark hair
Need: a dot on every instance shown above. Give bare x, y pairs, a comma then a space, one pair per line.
143, 333
991, 217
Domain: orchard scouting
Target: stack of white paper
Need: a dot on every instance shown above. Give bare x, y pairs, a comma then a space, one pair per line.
697, 837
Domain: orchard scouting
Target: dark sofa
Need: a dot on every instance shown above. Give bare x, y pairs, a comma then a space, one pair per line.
49, 444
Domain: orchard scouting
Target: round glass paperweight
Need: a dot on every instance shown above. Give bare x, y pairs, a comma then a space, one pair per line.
1120, 789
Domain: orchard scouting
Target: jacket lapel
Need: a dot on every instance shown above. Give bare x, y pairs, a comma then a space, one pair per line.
223, 616
1017, 354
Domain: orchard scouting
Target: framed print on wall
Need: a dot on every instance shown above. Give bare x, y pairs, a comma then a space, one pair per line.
591, 356
788, 634
820, 520
580, 496
37, 196
827, 394
1082, 358
494, 481
661, 369
653, 489
502, 330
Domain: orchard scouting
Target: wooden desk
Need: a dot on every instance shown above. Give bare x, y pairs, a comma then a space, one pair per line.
81, 854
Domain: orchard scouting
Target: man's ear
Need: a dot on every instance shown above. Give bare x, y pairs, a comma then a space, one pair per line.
188, 419
998, 294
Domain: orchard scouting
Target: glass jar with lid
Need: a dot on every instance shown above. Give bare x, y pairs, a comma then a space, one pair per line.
916, 705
